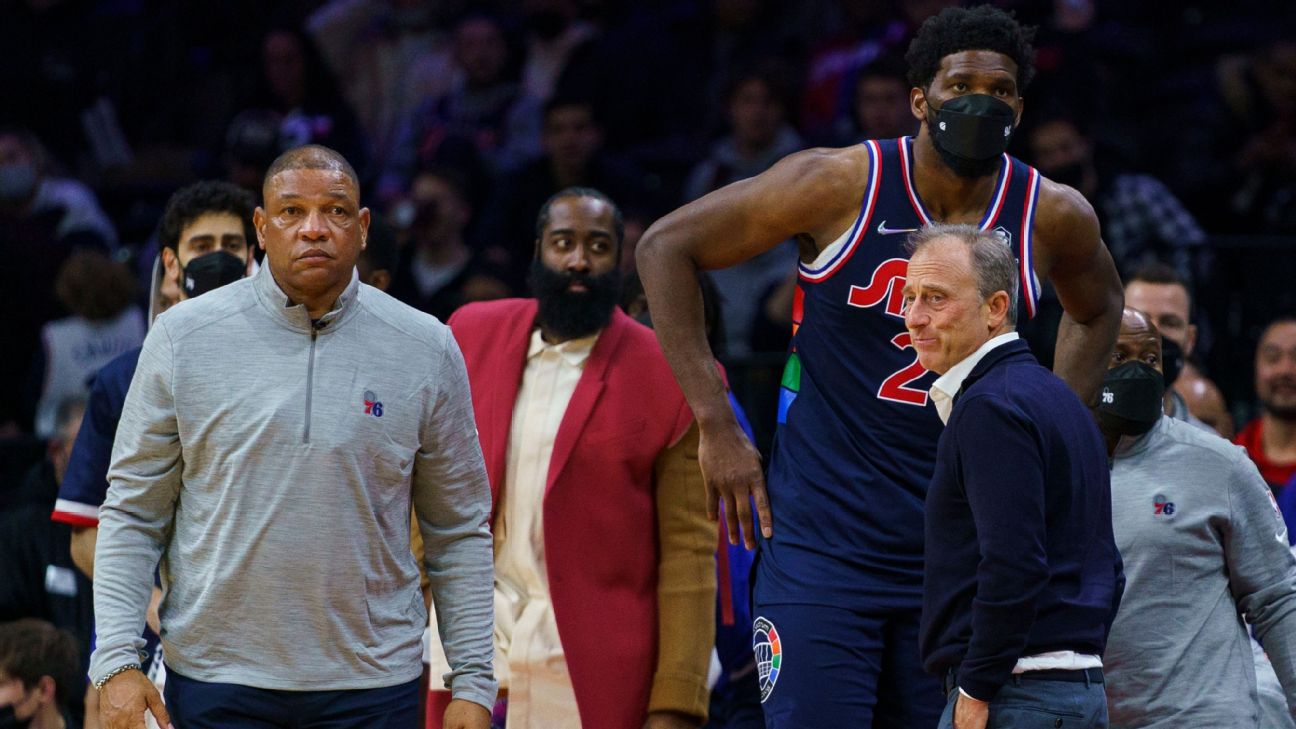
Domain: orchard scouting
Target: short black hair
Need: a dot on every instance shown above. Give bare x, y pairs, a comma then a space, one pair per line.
31, 649
567, 101
1157, 272
209, 196
618, 220
983, 28
773, 76
888, 66
312, 157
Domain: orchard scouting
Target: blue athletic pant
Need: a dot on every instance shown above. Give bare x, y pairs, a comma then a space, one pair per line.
835, 668
201, 705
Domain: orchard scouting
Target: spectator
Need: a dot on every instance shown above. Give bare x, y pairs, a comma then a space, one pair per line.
439, 270
297, 84
388, 55
1270, 439
572, 140
38, 675
553, 31
43, 219
1238, 155
252, 141
596, 514
38, 578
29, 187
104, 323
1141, 220
760, 136
1206, 402
879, 106
379, 259
1157, 290
870, 31
1179, 495
486, 106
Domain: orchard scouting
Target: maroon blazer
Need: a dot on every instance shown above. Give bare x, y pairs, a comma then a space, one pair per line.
600, 530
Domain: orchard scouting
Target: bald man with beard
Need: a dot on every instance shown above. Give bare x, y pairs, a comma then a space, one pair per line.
1202, 543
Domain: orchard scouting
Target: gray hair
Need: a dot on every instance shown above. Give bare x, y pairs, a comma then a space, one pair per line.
993, 264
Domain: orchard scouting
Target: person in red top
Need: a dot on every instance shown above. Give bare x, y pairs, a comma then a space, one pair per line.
1270, 439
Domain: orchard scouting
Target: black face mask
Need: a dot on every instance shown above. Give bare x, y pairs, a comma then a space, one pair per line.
1172, 361
971, 132
569, 314
210, 271
1130, 400
9, 721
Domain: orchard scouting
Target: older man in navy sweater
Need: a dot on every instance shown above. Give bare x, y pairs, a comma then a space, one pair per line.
1022, 576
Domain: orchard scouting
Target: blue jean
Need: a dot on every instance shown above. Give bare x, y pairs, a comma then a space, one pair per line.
195, 704
1026, 703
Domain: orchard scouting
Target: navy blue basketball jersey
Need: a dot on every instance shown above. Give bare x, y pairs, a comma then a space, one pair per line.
856, 441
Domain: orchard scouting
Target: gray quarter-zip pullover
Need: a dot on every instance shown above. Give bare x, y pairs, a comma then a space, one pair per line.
1204, 547
269, 462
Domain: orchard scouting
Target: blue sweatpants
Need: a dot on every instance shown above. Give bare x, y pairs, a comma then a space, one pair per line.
201, 705
830, 668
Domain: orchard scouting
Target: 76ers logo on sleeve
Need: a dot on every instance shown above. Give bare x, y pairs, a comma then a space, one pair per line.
886, 287
371, 404
769, 655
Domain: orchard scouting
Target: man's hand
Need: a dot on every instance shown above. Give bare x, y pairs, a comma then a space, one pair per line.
462, 714
731, 469
124, 699
670, 720
970, 713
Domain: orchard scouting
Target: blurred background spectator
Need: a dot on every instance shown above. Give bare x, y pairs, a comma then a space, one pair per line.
1178, 122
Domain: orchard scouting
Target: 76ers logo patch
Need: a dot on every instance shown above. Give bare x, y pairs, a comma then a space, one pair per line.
769, 655
1162, 506
371, 404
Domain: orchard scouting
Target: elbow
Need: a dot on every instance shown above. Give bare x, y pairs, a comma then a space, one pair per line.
658, 245
649, 248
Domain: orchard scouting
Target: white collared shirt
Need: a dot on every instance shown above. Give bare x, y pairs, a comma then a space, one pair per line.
947, 385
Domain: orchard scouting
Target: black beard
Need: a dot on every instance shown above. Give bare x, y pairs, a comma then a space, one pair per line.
571, 314
1282, 412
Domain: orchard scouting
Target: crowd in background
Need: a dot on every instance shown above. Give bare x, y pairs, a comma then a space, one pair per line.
463, 117
1178, 123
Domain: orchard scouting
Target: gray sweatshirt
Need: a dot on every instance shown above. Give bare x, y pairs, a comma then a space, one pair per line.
1203, 546
270, 464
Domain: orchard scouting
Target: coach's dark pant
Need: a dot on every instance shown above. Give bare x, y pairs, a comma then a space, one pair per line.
201, 705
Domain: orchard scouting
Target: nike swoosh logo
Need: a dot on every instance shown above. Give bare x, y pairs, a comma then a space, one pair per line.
883, 230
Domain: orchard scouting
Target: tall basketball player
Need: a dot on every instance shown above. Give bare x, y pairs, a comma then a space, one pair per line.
838, 578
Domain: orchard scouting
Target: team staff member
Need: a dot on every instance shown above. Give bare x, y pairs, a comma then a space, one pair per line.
1202, 544
604, 560
280, 508
1022, 575
838, 581
206, 233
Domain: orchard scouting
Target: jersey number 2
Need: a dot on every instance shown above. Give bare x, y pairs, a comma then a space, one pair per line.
885, 287
896, 387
